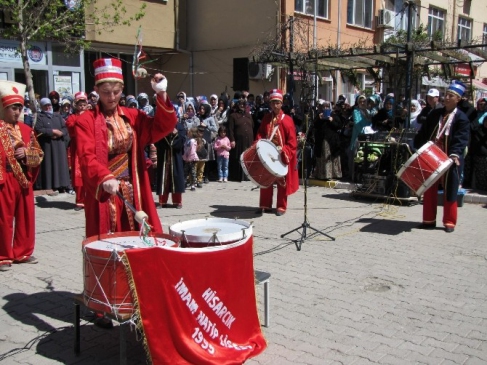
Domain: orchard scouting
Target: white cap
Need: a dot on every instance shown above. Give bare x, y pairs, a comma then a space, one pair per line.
433, 92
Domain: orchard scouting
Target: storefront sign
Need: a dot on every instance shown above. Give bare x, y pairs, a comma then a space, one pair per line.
62, 84
462, 69
9, 53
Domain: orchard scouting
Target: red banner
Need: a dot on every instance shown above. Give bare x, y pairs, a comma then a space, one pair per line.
197, 306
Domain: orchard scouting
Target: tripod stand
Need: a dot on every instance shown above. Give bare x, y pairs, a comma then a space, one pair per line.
305, 225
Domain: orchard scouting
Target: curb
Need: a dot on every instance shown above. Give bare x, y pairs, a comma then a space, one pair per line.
472, 196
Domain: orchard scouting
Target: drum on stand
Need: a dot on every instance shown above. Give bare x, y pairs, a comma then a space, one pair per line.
106, 287
424, 168
210, 232
262, 163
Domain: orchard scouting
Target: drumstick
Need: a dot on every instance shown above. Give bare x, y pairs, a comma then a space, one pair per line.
140, 215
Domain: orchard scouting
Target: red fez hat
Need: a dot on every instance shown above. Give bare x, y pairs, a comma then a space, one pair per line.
276, 94
108, 70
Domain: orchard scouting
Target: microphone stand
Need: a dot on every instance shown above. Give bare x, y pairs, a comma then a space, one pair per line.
305, 225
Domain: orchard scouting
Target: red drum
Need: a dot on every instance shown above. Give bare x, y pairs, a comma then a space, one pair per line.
200, 233
262, 163
424, 168
106, 287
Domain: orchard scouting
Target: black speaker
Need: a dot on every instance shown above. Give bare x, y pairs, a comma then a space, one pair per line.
240, 74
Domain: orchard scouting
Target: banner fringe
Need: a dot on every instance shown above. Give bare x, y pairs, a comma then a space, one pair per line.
139, 326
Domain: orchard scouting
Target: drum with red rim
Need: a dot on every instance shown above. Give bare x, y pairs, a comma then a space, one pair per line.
424, 168
209, 232
106, 287
262, 163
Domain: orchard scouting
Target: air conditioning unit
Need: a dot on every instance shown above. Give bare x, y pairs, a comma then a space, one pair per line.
259, 70
386, 19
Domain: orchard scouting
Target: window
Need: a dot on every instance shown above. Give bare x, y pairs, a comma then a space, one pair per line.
359, 12
308, 7
484, 36
464, 29
436, 21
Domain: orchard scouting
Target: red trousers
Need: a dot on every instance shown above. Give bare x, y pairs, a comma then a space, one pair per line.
16, 204
266, 198
430, 202
177, 198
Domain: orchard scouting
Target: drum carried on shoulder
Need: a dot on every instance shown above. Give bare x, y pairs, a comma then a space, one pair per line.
262, 163
424, 168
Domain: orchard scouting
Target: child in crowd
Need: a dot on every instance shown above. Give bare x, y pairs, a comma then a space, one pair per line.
222, 148
190, 157
202, 152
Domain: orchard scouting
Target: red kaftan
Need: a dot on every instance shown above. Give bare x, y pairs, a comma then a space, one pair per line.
17, 202
92, 150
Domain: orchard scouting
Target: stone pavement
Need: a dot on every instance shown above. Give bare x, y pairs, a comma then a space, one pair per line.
382, 293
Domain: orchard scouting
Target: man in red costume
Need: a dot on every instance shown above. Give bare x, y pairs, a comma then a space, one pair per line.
80, 105
20, 157
286, 142
111, 141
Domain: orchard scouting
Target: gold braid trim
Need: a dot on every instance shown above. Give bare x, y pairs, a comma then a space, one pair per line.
136, 317
163, 106
9, 152
33, 154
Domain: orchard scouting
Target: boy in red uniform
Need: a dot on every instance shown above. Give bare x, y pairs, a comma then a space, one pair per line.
20, 157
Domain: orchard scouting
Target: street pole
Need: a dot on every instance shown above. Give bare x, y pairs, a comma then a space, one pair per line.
409, 62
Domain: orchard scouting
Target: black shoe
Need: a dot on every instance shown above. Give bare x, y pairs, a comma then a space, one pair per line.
280, 212
427, 226
78, 208
198, 185
449, 229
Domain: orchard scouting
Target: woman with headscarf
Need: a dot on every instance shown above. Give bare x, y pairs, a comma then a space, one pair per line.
54, 97
384, 119
361, 120
415, 111
222, 113
327, 143
241, 135
188, 118
209, 127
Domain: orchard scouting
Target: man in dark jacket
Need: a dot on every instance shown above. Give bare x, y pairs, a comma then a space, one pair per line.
449, 129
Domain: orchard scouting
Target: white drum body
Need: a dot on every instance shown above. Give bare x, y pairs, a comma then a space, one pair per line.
199, 233
106, 287
262, 163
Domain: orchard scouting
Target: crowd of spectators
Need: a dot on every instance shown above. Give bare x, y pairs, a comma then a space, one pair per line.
329, 132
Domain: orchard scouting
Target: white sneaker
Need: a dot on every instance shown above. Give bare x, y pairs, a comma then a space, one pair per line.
220, 180
225, 180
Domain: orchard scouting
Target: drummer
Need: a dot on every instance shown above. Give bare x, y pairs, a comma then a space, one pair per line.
111, 141
285, 140
448, 128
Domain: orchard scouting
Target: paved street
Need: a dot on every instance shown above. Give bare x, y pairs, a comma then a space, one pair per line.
382, 293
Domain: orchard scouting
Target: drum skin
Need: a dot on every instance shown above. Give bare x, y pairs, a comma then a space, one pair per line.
424, 168
261, 163
106, 287
210, 232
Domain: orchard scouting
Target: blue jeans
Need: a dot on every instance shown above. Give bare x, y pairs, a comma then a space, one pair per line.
222, 167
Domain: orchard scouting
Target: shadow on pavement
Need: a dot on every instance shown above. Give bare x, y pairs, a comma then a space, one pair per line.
389, 227
42, 202
232, 212
98, 346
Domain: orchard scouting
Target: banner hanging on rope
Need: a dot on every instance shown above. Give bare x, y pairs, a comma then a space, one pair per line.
197, 306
